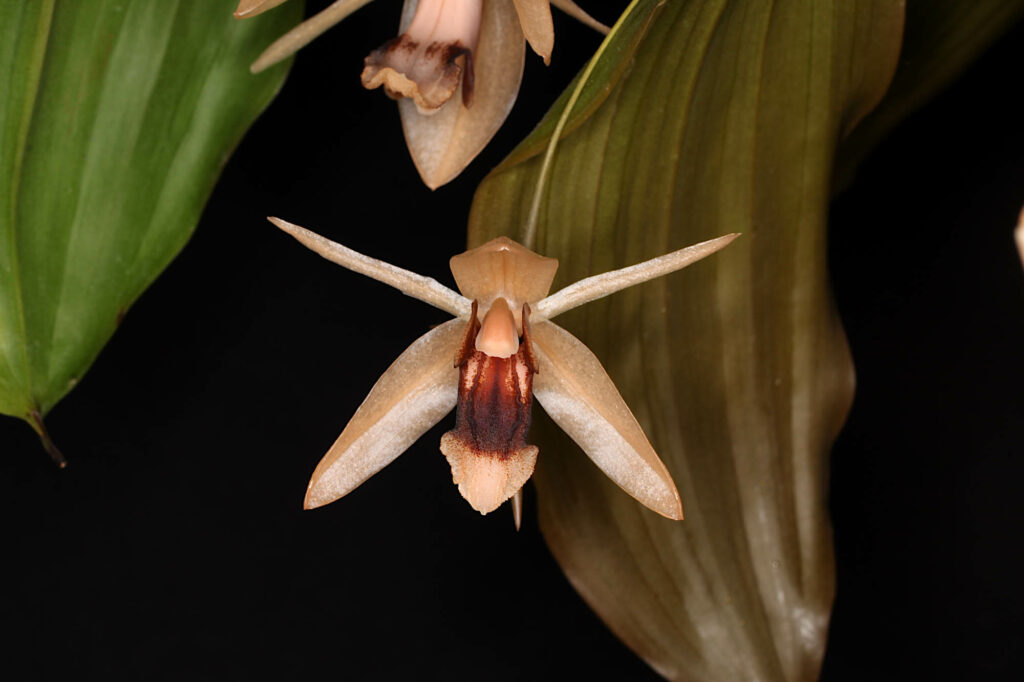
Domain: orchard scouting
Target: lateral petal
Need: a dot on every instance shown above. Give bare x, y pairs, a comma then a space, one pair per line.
535, 19
443, 143
576, 391
415, 392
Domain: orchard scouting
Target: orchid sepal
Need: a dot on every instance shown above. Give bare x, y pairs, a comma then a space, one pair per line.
412, 395
579, 396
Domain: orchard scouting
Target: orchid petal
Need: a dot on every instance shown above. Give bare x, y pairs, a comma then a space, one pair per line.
303, 34
443, 143
535, 19
250, 8
606, 283
577, 13
576, 391
409, 283
415, 393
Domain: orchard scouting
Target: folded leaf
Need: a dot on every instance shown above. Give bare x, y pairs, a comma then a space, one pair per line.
115, 119
701, 118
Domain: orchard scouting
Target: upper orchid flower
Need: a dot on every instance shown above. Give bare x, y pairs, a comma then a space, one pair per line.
455, 69
489, 362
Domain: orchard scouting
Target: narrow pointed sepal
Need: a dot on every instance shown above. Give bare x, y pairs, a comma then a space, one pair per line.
535, 20
415, 393
576, 391
599, 286
443, 143
303, 34
422, 288
250, 8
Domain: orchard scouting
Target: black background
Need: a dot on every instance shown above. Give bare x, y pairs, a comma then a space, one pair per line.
174, 547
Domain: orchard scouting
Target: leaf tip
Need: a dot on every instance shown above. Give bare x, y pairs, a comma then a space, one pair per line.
35, 420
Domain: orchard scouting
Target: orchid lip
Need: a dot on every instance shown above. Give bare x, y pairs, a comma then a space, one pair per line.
432, 58
487, 449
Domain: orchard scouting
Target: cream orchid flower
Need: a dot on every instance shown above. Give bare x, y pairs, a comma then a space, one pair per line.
455, 68
489, 362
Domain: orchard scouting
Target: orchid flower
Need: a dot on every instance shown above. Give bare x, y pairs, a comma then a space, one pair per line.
499, 352
455, 69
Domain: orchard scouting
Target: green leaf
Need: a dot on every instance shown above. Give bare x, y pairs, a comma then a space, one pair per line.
116, 118
726, 120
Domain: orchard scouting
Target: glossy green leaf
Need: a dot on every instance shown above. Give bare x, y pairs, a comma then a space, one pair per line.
115, 119
726, 120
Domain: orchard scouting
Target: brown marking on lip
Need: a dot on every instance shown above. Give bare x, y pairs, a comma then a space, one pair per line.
402, 43
448, 53
526, 346
468, 345
495, 394
495, 398
487, 449
468, 79
429, 75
